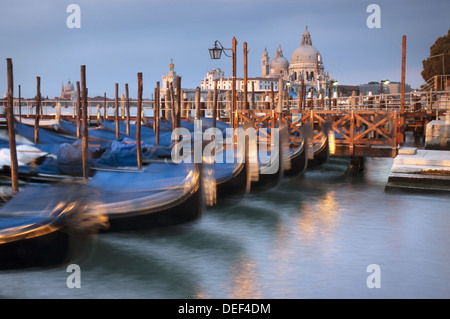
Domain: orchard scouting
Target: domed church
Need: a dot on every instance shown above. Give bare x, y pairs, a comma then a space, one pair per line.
68, 91
306, 64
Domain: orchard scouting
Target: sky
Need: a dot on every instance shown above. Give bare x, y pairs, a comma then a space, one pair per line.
119, 38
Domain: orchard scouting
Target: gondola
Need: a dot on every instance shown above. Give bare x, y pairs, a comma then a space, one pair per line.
161, 194
321, 152
298, 160
46, 226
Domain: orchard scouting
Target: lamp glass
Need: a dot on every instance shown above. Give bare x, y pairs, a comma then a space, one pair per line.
215, 52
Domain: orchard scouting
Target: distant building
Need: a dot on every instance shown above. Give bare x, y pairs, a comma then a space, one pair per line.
373, 88
223, 83
68, 91
306, 65
170, 77
347, 90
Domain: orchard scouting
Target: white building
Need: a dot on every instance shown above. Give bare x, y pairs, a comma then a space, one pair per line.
306, 65
170, 77
260, 84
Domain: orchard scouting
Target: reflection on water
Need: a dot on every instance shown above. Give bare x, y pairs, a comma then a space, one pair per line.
312, 237
318, 218
244, 282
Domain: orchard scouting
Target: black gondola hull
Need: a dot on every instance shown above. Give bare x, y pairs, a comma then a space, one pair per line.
183, 210
299, 162
321, 155
236, 185
49, 250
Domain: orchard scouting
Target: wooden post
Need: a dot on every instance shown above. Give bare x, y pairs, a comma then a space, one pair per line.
116, 110
78, 109
253, 95
322, 102
233, 89
179, 97
245, 77
38, 107
138, 122
303, 95
214, 115
105, 105
84, 136
157, 112
272, 97
402, 99
352, 133
197, 104
127, 105
20, 107
172, 104
167, 106
11, 130
187, 104
329, 95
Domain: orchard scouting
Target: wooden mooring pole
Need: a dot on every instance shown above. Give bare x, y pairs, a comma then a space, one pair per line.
105, 106
38, 107
78, 110
11, 129
400, 135
20, 107
245, 78
138, 121
178, 105
215, 97
116, 110
127, 105
84, 136
157, 114
197, 103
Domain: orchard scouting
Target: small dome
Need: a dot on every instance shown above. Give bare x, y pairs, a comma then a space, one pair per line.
279, 62
68, 87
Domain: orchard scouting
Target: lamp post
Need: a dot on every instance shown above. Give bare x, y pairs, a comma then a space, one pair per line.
381, 85
216, 53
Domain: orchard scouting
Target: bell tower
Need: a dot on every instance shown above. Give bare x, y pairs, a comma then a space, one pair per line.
265, 63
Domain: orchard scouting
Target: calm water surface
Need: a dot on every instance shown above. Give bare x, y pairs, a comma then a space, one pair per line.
311, 237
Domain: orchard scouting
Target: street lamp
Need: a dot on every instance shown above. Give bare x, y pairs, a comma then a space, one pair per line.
215, 54
381, 85
216, 51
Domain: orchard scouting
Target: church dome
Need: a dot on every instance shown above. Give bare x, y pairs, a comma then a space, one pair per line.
279, 62
68, 87
306, 53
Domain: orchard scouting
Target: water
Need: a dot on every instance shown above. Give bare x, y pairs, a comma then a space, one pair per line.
311, 237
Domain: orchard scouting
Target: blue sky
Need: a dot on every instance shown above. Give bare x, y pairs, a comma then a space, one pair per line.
119, 38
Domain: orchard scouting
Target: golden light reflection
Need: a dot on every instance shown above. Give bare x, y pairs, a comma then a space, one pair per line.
318, 219
244, 282
331, 142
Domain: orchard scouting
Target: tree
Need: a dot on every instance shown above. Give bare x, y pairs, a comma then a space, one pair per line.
439, 59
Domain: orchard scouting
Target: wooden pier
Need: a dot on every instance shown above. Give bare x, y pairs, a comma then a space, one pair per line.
367, 126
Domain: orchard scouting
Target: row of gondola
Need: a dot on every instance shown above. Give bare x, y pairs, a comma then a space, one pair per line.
39, 226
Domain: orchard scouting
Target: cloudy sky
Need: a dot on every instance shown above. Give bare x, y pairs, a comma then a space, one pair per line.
119, 38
